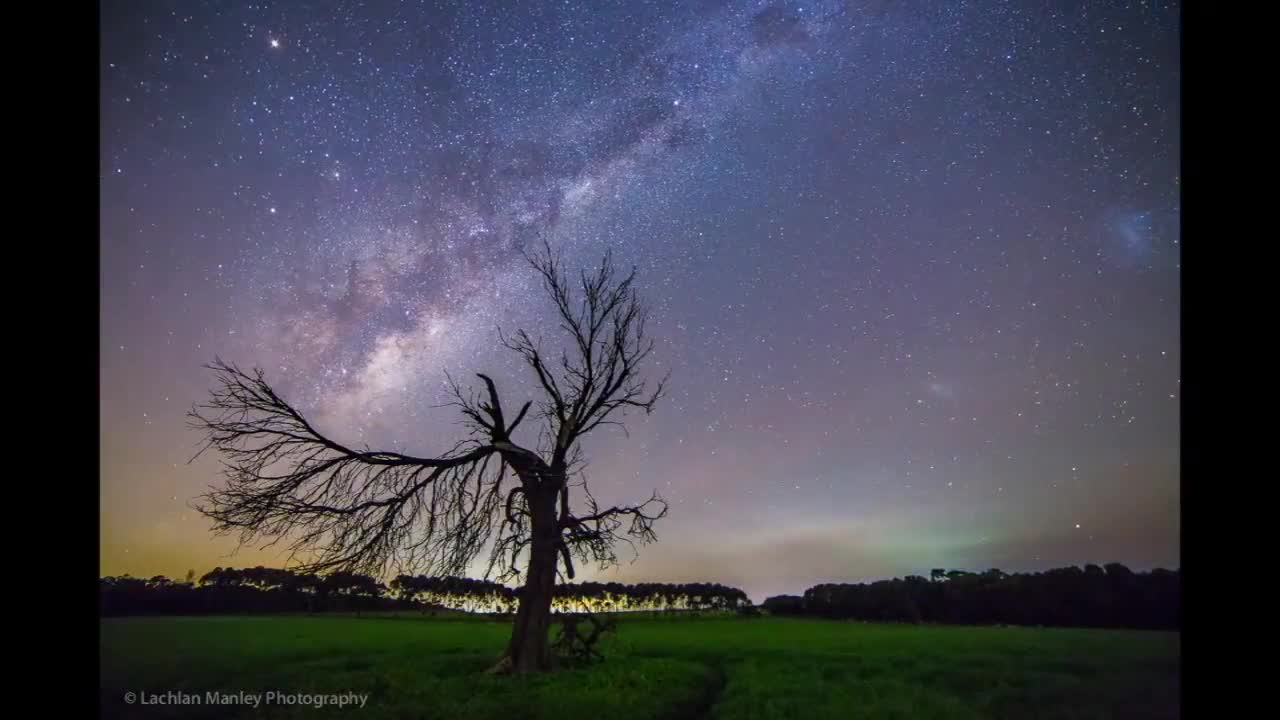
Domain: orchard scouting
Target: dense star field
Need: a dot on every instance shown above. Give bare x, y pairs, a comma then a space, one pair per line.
914, 267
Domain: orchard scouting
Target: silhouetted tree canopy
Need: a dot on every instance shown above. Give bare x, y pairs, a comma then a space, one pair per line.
1108, 596
259, 589
1113, 596
521, 499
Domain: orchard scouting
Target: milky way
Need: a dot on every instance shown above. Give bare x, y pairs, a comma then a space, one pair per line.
914, 267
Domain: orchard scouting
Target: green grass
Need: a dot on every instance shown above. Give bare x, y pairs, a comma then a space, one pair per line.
424, 668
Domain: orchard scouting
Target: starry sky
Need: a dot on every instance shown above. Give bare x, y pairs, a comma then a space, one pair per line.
914, 267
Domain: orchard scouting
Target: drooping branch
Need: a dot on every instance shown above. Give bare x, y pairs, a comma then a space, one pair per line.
638, 513
512, 509
565, 556
341, 507
593, 536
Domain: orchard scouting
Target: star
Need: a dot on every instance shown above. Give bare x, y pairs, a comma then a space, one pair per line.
817, 246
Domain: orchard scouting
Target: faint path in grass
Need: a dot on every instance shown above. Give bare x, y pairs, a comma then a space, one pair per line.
702, 705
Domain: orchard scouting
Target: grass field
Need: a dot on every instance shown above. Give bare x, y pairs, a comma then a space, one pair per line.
689, 668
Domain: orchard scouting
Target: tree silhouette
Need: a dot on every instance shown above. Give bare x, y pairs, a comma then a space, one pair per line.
372, 511
271, 590
1069, 597
1111, 596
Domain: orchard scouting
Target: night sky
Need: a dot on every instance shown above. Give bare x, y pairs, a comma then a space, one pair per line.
914, 267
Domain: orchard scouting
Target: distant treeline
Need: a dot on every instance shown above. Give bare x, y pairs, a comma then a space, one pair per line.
261, 589
1112, 596
250, 590
465, 593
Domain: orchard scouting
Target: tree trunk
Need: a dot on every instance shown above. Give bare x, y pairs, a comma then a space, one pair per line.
529, 649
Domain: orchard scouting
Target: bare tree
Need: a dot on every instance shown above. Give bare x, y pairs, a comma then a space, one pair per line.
362, 510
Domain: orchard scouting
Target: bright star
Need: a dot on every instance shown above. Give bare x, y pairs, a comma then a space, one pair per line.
275, 43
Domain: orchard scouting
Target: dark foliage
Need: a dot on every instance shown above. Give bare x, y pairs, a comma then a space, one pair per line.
248, 590
1112, 597
591, 596
784, 605
455, 592
260, 589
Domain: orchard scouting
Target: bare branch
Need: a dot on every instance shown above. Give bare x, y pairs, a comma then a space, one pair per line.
519, 416
594, 536
336, 507
342, 507
606, 328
